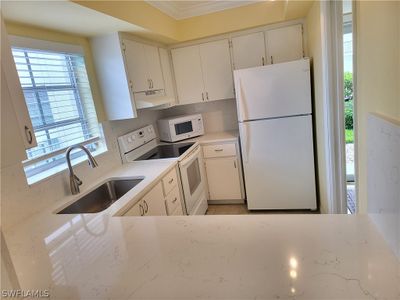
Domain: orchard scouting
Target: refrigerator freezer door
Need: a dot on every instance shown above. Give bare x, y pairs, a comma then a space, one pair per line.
273, 91
278, 163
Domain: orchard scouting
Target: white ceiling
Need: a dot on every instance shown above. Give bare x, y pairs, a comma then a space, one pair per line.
64, 16
186, 9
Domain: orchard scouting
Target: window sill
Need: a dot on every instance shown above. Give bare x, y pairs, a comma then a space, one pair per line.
47, 174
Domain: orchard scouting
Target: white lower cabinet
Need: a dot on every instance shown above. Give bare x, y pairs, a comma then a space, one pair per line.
223, 178
153, 203
163, 199
224, 173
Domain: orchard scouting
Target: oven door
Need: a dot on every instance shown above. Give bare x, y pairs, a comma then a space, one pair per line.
193, 180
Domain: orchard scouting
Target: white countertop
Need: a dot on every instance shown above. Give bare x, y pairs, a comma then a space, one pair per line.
224, 136
103, 256
241, 257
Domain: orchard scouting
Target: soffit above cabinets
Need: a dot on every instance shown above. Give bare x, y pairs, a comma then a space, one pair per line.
65, 16
187, 9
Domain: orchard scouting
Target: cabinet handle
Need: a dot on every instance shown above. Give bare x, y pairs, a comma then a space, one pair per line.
141, 210
28, 134
218, 150
234, 163
207, 95
263, 61
272, 60
202, 96
152, 84
149, 83
171, 181
146, 209
176, 199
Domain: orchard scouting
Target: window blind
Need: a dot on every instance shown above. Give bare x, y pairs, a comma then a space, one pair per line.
60, 104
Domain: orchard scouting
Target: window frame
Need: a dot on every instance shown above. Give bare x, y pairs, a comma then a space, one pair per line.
51, 168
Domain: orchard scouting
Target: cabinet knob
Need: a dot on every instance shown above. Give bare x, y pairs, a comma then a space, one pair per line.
172, 180
176, 199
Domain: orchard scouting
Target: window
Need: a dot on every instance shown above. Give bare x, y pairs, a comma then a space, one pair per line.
60, 104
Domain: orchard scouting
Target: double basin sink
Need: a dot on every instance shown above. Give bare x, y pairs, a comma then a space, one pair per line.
101, 197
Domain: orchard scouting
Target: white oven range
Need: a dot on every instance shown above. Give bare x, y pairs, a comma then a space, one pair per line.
142, 144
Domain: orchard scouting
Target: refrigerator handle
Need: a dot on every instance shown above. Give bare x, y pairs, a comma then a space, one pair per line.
241, 100
244, 135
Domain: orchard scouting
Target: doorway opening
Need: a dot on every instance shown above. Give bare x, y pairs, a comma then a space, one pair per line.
349, 104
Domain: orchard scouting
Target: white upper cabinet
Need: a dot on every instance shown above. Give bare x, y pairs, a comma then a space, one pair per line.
154, 71
188, 74
248, 51
143, 65
217, 70
12, 91
284, 44
131, 75
203, 72
136, 65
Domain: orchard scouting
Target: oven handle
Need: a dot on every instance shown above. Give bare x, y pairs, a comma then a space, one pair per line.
192, 156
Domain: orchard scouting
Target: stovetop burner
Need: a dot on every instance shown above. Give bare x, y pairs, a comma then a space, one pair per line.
166, 151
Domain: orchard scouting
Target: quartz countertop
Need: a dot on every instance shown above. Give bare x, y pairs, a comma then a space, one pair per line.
108, 256
223, 136
226, 257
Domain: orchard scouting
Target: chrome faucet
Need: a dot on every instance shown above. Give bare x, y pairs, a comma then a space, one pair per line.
74, 181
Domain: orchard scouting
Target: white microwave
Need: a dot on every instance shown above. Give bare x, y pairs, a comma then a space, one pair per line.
180, 128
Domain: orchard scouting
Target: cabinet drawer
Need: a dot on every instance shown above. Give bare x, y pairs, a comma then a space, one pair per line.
173, 200
169, 181
219, 150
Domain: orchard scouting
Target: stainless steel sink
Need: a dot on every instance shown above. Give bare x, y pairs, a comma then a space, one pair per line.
102, 197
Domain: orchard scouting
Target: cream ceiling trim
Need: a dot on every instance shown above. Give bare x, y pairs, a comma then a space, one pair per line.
186, 9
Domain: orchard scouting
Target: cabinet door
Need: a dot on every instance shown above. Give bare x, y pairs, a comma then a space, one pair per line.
223, 178
136, 64
217, 70
136, 210
12, 86
154, 67
188, 74
284, 44
154, 203
248, 51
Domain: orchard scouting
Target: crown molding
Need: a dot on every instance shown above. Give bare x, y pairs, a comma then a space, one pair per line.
184, 10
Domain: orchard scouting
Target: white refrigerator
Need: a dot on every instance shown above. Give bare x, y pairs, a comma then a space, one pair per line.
276, 135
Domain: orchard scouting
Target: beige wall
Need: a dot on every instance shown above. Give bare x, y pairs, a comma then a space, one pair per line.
313, 23
168, 30
378, 73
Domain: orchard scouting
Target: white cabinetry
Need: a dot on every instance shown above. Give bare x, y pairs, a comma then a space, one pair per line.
10, 84
188, 74
152, 204
272, 46
284, 44
130, 75
143, 66
203, 72
164, 198
217, 70
224, 174
248, 50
